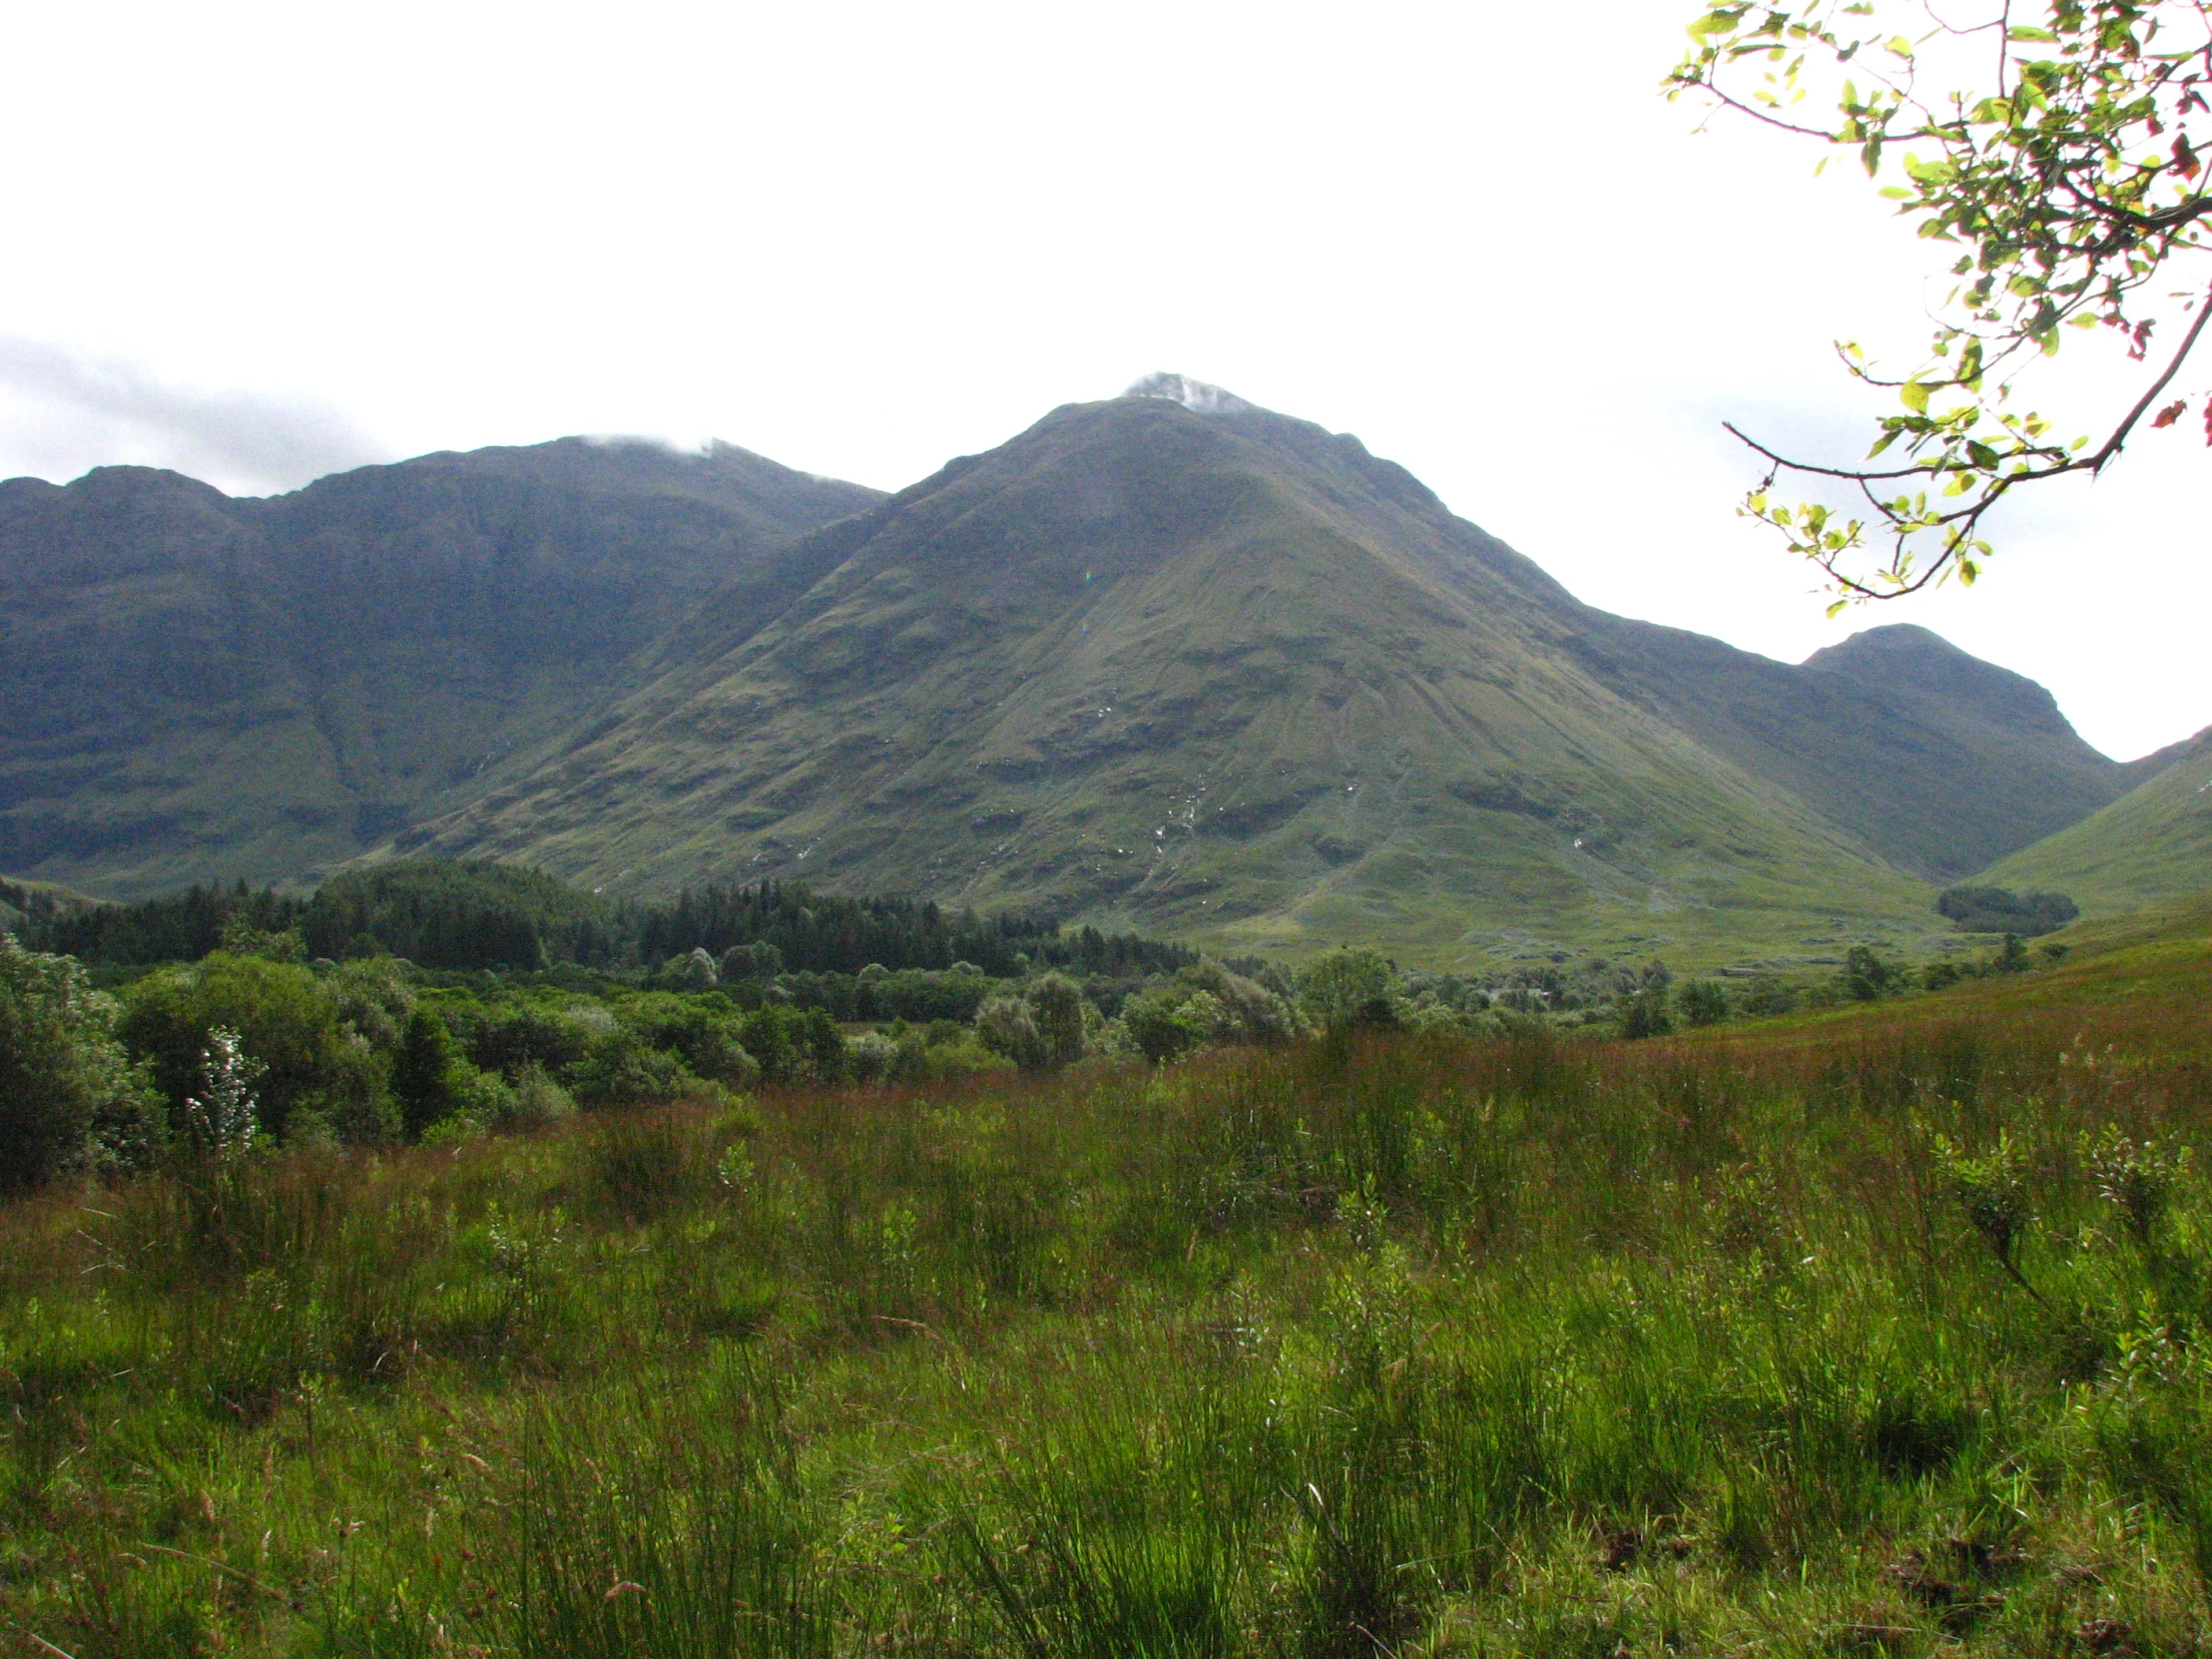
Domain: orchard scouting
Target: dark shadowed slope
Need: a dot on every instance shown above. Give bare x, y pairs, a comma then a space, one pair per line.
196, 686
1228, 674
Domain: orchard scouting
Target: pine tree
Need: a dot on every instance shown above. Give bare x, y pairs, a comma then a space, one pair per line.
424, 1072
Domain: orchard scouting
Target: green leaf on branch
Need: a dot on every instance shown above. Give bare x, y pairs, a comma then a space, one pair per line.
2068, 182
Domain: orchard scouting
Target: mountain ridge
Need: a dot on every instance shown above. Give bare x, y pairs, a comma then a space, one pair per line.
729, 751
1170, 661
201, 685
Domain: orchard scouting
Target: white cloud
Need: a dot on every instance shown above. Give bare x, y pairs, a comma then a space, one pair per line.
62, 412
863, 237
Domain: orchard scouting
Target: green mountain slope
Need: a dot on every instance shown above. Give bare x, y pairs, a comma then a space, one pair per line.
2153, 844
1936, 759
1225, 674
197, 686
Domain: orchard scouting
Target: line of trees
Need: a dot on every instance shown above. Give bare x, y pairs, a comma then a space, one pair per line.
472, 914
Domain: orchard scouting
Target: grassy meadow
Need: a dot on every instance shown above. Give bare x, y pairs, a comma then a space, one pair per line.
2147, 847
1872, 1332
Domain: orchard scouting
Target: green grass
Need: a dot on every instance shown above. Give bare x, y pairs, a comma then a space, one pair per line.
2138, 980
1394, 1345
2150, 847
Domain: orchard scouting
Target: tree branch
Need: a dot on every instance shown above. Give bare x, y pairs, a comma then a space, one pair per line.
1846, 473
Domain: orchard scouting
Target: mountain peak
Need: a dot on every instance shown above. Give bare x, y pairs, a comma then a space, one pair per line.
1195, 395
1902, 660
1903, 656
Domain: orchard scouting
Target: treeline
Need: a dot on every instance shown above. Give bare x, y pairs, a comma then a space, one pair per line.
790, 928
210, 1060
474, 916
2025, 915
19, 903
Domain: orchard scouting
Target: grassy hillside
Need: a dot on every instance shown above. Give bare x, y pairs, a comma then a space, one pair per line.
1823, 1340
206, 687
1231, 677
2153, 844
2139, 980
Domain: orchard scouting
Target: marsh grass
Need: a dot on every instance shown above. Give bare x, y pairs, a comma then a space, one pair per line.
1377, 1346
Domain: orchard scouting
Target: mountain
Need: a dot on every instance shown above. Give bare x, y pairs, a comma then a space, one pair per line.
1936, 759
2153, 844
197, 686
1179, 661
1170, 661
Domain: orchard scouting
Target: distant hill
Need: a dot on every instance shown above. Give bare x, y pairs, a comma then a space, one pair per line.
196, 686
1178, 663
2153, 844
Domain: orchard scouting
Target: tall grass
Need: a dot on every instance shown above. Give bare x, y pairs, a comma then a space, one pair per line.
1381, 1346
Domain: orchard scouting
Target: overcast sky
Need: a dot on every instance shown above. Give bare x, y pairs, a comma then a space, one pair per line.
262, 242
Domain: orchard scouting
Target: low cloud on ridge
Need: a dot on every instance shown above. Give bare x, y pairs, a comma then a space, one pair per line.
62, 413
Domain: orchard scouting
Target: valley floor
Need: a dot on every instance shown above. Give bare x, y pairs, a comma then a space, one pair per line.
1874, 1332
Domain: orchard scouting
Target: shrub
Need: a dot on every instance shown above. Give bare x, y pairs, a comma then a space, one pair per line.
871, 1057
69, 1097
620, 1070
287, 1020
694, 970
793, 1045
1207, 1004
706, 1032
1704, 1003
1254, 1013
1166, 1024
507, 1037
241, 938
1348, 987
757, 961
1767, 998
1867, 977
1005, 1026
942, 1048
1063, 1020
1648, 1010
1646, 1014
375, 999
536, 1100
